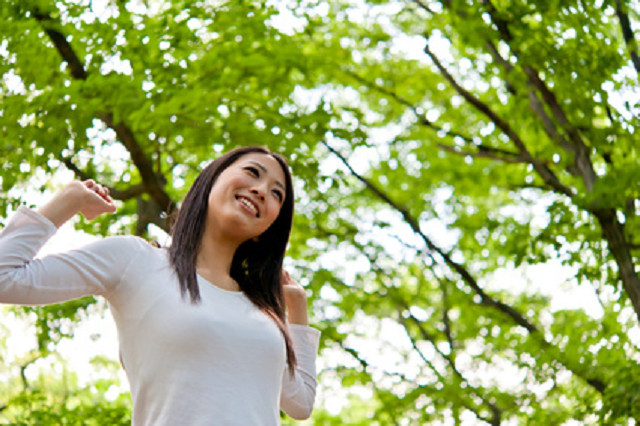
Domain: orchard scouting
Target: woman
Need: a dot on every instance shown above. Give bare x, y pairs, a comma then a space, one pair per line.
201, 326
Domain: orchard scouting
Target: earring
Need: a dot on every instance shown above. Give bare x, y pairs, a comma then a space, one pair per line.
245, 267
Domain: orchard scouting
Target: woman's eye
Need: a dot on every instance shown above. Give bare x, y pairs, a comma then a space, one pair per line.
253, 171
278, 195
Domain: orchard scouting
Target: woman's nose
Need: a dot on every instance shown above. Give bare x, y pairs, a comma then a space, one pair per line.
259, 193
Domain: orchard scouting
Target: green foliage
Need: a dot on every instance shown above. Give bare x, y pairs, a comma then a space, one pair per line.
417, 185
35, 394
82, 407
54, 322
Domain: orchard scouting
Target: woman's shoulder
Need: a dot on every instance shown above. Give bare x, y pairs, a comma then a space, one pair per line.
132, 240
124, 247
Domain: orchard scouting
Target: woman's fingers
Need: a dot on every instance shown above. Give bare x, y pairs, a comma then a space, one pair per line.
103, 193
289, 284
98, 189
99, 202
295, 300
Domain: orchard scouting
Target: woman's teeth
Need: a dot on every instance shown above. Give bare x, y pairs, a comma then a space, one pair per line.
250, 205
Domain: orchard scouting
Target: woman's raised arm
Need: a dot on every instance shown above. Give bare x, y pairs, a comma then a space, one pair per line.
299, 390
88, 198
95, 269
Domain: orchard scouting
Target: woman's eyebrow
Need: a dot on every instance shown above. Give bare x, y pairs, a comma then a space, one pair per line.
264, 169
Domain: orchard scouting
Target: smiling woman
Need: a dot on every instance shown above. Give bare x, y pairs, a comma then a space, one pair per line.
218, 356
254, 183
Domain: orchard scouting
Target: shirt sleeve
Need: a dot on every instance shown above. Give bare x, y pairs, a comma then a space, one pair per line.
299, 390
95, 269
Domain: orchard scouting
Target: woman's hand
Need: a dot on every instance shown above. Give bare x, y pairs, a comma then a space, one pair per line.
96, 200
88, 198
295, 297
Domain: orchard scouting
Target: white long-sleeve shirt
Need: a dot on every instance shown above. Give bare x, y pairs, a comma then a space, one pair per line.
220, 362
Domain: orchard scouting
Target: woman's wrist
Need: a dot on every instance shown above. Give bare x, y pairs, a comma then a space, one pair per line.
297, 312
63, 206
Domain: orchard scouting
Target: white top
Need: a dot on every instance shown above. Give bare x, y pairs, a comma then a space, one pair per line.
219, 362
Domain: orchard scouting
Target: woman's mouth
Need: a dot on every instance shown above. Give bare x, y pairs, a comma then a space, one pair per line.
249, 205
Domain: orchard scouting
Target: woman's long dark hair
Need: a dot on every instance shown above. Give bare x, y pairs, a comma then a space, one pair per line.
256, 265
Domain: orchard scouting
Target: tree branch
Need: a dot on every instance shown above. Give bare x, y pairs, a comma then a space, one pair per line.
483, 150
424, 7
441, 378
577, 146
535, 103
487, 152
151, 181
62, 45
118, 194
466, 276
446, 320
627, 34
33, 357
496, 412
543, 171
427, 336
402, 101
365, 365
613, 230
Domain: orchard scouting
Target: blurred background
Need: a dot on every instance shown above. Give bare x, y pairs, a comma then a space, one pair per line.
467, 191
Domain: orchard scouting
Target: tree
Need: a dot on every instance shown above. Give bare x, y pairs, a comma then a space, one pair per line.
512, 127
39, 387
514, 106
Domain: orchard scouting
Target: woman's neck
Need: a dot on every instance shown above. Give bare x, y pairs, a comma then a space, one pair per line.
214, 261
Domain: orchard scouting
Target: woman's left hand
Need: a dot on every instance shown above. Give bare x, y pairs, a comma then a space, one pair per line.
295, 297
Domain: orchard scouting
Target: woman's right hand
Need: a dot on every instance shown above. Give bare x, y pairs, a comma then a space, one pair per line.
87, 197
96, 200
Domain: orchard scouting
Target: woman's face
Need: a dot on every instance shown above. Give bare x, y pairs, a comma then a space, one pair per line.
246, 198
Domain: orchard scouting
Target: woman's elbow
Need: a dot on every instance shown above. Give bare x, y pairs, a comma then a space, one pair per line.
302, 412
300, 408
7, 284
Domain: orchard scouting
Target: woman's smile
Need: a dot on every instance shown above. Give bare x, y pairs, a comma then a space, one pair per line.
252, 186
249, 205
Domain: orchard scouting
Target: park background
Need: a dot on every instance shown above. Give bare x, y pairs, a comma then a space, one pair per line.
467, 191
